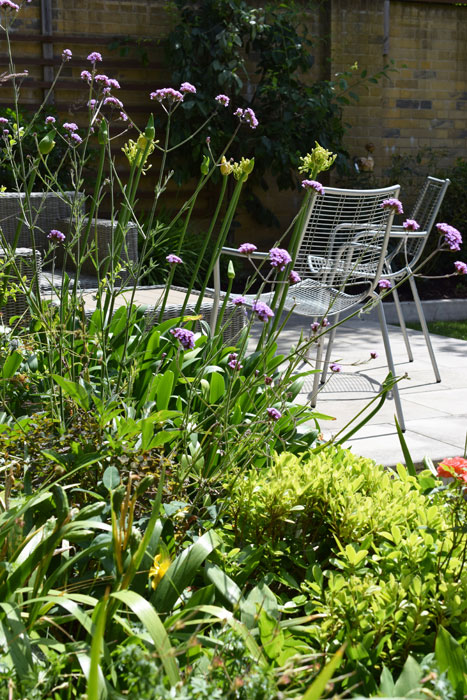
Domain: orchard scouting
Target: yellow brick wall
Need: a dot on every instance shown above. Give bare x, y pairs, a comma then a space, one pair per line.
423, 104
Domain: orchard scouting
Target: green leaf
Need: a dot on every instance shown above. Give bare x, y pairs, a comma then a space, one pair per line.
12, 363
409, 678
408, 459
95, 686
226, 587
150, 620
111, 478
74, 390
164, 390
272, 636
451, 658
316, 689
216, 387
183, 570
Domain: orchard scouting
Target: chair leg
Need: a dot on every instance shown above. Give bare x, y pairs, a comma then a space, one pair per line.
400, 316
327, 359
421, 316
316, 376
390, 361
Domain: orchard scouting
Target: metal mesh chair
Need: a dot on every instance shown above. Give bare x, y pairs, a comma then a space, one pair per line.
408, 252
340, 259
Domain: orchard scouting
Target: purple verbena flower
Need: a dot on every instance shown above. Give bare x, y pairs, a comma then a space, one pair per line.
113, 102
223, 100
92, 104
102, 80
173, 96
66, 55
123, 117
187, 87
185, 337
325, 323
268, 380
313, 185
393, 203
233, 362
411, 225
373, 354
294, 277
274, 414
247, 248
452, 237
279, 258
114, 83
334, 367
262, 310
173, 259
86, 75
3, 120
76, 138
384, 284
247, 116
315, 326
239, 301
56, 235
461, 267
5, 132
50, 120
94, 57
70, 126
9, 5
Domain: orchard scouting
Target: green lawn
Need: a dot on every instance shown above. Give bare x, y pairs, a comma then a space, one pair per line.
452, 329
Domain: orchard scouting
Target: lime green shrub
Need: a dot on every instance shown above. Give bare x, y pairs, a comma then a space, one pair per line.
371, 553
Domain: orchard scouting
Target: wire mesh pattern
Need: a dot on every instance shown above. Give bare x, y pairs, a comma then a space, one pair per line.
424, 212
342, 249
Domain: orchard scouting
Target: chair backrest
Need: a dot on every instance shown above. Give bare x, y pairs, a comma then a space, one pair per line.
424, 212
344, 238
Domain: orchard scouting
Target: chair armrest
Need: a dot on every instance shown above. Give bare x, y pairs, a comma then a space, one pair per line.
407, 234
235, 253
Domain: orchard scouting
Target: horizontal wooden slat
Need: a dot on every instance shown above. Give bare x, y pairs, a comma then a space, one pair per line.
56, 61
88, 39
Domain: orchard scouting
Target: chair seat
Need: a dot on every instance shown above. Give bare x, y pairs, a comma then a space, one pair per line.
310, 298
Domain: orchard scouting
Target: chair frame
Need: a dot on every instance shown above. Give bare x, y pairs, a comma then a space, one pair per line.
371, 235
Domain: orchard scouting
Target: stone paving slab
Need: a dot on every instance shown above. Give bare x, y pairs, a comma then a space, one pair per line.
435, 413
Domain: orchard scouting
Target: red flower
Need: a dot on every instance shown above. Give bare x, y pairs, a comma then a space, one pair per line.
453, 467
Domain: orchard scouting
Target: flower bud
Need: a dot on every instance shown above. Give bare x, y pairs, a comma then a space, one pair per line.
103, 135
47, 144
150, 131
205, 165
230, 271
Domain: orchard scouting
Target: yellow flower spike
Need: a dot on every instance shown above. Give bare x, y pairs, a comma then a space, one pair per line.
226, 167
159, 567
317, 161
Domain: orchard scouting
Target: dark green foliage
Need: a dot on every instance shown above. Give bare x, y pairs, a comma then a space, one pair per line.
263, 59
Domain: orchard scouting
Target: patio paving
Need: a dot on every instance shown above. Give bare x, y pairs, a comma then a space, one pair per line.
435, 413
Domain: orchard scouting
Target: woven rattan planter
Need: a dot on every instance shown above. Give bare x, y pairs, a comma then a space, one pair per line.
47, 209
25, 266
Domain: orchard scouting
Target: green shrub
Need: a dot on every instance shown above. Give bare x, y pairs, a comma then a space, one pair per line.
376, 556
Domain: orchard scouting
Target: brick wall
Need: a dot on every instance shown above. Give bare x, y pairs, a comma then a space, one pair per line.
423, 104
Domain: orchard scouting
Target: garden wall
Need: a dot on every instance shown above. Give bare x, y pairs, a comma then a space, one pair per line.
423, 104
